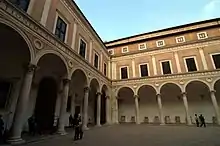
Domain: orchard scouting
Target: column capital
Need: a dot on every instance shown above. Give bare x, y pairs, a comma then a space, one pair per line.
99, 93
212, 91
158, 94
30, 68
184, 93
86, 89
136, 96
107, 97
66, 81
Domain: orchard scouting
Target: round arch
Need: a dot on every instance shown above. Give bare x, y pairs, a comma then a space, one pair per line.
214, 83
82, 70
96, 83
164, 84
118, 90
145, 85
105, 89
23, 35
46, 52
196, 80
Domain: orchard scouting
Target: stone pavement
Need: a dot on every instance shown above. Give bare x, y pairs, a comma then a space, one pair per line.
136, 135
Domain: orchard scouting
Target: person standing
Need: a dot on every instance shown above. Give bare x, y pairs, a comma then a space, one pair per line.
1, 128
202, 120
70, 120
197, 120
77, 126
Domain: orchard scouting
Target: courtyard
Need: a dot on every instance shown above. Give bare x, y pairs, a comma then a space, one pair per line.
136, 135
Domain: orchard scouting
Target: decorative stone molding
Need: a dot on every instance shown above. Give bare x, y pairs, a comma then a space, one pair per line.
70, 63
181, 82
66, 81
31, 68
107, 97
136, 96
86, 89
38, 44
209, 80
98, 93
213, 91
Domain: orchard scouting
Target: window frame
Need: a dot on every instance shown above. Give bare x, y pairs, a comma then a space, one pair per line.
159, 41
120, 72
139, 46
148, 71
212, 60
112, 51
122, 49
95, 53
185, 64
55, 25
80, 38
206, 35
184, 40
161, 66
104, 69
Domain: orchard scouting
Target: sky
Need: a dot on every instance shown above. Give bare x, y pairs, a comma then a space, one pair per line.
114, 19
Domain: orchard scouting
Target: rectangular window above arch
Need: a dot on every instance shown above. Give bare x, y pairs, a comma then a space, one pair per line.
216, 60
124, 72
21, 4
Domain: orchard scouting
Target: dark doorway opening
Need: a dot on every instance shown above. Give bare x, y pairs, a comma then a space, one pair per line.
5, 88
103, 108
77, 110
45, 105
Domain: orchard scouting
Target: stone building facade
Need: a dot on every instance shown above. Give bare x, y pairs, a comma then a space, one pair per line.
53, 64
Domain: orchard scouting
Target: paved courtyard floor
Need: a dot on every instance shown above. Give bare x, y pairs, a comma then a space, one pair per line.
140, 135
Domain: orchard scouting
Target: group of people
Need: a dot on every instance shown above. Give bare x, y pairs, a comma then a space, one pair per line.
76, 123
200, 121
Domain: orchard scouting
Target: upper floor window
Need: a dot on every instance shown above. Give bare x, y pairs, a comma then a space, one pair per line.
180, 39
124, 72
111, 51
160, 43
166, 67
105, 69
22, 4
124, 49
82, 48
202, 35
142, 46
144, 70
216, 60
60, 30
190, 64
96, 61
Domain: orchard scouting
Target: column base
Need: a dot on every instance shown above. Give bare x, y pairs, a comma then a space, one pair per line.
85, 128
15, 141
162, 124
99, 125
62, 132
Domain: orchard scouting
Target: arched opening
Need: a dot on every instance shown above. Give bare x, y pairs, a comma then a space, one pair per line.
14, 56
148, 105
126, 105
78, 83
92, 111
103, 104
49, 78
173, 107
199, 100
217, 89
45, 104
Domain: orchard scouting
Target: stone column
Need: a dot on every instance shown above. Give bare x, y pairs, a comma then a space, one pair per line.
160, 109
85, 108
18, 120
107, 100
64, 98
215, 105
98, 112
185, 102
116, 110
73, 104
136, 97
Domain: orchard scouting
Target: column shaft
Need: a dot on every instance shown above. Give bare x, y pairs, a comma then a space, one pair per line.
107, 110
98, 112
137, 109
64, 99
21, 107
85, 108
116, 111
160, 109
154, 65
185, 102
215, 105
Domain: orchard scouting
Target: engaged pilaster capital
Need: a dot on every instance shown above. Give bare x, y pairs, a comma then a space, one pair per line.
158, 95
31, 68
184, 93
107, 97
99, 93
86, 89
136, 96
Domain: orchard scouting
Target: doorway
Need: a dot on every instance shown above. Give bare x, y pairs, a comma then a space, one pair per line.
45, 105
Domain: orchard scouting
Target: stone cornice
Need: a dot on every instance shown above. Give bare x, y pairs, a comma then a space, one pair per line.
37, 29
183, 76
212, 41
180, 29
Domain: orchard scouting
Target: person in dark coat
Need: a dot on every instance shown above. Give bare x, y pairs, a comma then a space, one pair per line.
76, 126
197, 120
70, 120
32, 125
1, 128
202, 120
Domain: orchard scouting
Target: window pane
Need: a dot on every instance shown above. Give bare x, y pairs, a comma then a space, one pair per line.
62, 37
96, 61
166, 67
216, 59
191, 65
144, 70
105, 69
22, 4
60, 29
82, 50
124, 73
63, 28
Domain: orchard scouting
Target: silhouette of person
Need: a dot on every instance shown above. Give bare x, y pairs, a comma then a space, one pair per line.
1, 128
197, 120
202, 120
